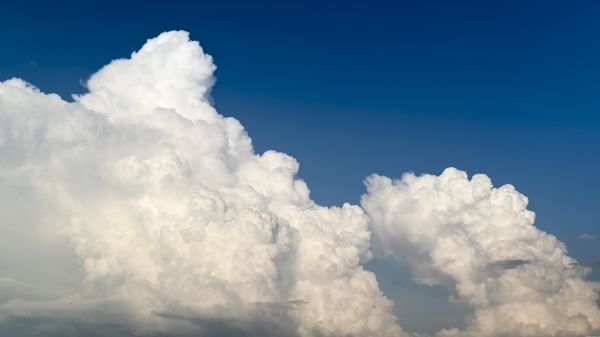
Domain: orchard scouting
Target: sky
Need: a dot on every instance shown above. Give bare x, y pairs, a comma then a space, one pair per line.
354, 88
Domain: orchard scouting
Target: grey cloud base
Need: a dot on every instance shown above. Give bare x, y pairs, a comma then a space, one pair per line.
145, 212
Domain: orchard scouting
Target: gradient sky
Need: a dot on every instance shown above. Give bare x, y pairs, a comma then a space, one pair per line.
509, 89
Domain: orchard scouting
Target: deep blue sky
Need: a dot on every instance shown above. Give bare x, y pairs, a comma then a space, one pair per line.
349, 88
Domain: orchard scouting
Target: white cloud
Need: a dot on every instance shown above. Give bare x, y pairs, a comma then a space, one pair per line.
480, 242
138, 209
175, 223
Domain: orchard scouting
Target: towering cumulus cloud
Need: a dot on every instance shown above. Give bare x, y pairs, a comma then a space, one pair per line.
138, 210
178, 226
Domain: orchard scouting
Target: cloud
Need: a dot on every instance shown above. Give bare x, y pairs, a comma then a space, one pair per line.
590, 264
480, 242
587, 237
137, 209
174, 225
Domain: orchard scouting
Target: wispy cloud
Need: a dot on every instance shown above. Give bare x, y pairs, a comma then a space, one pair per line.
590, 264
587, 237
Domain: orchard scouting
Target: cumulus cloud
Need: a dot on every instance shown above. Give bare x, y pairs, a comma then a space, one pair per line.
137, 209
175, 224
479, 241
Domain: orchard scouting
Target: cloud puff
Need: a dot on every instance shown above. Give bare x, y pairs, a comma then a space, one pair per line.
480, 242
587, 237
145, 212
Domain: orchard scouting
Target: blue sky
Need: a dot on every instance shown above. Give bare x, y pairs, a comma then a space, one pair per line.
349, 88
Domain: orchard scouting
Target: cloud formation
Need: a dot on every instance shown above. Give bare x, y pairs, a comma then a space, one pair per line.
175, 222
146, 212
480, 242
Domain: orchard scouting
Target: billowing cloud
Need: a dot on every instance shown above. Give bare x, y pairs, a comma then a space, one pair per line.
138, 210
176, 225
480, 242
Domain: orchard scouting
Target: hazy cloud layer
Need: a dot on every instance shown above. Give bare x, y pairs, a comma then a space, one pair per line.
138, 210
